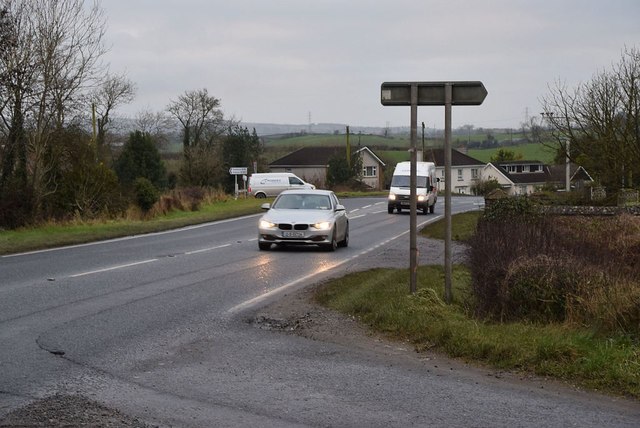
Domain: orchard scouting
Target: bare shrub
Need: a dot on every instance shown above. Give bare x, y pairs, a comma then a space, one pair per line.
578, 270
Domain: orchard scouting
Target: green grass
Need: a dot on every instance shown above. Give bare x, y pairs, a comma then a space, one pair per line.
335, 140
380, 298
534, 151
463, 227
54, 235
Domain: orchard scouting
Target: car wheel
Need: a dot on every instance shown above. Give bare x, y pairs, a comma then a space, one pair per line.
264, 246
260, 196
345, 241
334, 243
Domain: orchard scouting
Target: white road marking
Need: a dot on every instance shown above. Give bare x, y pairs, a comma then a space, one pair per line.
261, 297
112, 268
206, 249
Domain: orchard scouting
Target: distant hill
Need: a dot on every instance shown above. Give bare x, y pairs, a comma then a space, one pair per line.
263, 129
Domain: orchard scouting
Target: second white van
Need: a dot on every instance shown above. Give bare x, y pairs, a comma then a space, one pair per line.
270, 184
426, 187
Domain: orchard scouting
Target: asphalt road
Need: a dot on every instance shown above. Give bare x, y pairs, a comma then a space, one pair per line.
156, 326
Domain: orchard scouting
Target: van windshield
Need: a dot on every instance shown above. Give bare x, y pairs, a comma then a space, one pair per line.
404, 180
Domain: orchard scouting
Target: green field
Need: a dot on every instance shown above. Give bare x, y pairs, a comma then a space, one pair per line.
395, 149
533, 151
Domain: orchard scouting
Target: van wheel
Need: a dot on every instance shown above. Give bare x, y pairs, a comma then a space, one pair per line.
390, 209
260, 196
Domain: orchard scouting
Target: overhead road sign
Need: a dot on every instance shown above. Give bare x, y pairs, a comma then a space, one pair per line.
433, 93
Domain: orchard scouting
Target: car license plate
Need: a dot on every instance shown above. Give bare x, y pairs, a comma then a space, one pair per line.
404, 203
293, 234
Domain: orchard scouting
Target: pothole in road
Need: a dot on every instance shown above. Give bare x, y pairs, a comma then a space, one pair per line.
281, 324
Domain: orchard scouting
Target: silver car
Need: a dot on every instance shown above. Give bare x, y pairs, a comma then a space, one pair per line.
304, 217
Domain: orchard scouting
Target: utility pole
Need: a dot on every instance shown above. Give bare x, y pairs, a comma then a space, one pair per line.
348, 149
422, 160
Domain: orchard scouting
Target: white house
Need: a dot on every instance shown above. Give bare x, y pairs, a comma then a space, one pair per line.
524, 177
311, 164
465, 170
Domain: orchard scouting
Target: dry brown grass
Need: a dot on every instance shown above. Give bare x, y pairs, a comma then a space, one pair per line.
582, 271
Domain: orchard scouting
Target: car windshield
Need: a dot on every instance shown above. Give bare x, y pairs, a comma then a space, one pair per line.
302, 202
403, 181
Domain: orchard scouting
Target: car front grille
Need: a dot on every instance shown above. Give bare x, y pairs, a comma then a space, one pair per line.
288, 226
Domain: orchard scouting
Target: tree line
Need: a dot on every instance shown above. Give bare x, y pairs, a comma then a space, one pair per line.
57, 100
597, 123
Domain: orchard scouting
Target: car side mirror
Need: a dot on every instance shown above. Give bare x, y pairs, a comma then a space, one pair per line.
266, 206
340, 207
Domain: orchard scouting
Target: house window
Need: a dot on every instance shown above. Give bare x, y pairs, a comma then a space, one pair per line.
474, 173
370, 171
442, 174
459, 175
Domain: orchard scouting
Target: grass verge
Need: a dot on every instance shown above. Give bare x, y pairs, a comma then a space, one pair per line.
463, 227
56, 235
380, 298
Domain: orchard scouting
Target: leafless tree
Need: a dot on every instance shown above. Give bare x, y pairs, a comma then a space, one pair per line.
202, 126
600, 118
114, 91
50, 61
155, 124
200, 117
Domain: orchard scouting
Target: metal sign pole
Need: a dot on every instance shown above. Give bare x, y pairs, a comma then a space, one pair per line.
447, 194
464, 93
413, 258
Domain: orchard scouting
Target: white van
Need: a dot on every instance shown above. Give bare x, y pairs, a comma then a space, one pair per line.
426, 187
269, 184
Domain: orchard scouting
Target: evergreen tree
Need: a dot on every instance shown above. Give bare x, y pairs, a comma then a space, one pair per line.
140, 158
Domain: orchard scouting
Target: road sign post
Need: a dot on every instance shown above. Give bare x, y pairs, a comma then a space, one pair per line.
236, 171
447, 94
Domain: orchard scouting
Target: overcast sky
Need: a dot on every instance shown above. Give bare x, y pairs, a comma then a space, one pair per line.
288, 61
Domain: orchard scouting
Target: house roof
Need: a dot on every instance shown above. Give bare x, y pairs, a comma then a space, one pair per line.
315, 156
457, 158
549, 174
365, 148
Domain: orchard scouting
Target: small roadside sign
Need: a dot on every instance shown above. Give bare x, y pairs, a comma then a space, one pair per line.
238, 170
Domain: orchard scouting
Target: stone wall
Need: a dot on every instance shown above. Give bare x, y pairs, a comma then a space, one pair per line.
588, 211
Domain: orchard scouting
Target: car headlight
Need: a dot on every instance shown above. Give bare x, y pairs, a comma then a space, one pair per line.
264, 224
323, 225
392, 196
421, 198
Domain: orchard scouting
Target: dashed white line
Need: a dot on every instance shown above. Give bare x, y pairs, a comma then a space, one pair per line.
188, 253
112, 268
